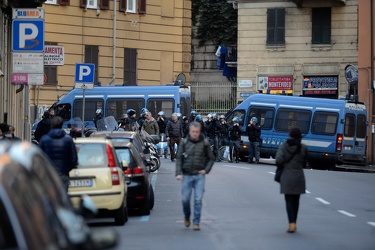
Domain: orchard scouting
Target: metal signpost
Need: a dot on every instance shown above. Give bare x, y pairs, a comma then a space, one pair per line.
84, 79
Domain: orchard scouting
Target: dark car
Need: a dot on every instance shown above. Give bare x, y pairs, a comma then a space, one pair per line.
36, 212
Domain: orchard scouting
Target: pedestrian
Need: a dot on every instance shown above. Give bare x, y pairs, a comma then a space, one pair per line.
253, 131
12, 129
162, 122
43, 127
60, 149
150, 125
292, 155
235, 132
174, 132
4, 131
194, 160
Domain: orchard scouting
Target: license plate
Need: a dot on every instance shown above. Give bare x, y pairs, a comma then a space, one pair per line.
348, 148
80, 183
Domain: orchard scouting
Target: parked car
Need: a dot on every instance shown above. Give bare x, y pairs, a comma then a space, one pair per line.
36, 212
140, 190
100, 176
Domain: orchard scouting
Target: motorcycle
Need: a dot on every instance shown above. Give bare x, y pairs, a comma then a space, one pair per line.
162, 146
75, 128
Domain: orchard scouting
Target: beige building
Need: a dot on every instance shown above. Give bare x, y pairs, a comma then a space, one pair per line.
301, 47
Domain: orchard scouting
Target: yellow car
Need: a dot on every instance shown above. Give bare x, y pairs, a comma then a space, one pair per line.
101, 176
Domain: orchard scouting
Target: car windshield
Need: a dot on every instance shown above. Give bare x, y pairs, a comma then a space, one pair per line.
91, 155
124, 154
121, 140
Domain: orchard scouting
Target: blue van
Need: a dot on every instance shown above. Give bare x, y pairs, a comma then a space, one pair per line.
115, 100
335, 131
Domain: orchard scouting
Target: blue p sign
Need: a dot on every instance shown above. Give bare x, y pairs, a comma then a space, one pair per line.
85, 73
28, 35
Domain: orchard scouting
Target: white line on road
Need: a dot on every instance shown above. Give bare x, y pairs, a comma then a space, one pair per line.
371, 223
229, 166
346, 213
272, 173
308, 192
322, 201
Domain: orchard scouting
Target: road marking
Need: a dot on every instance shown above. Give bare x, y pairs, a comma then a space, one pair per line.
272, 173
228, 166
144, 218
322, 201
346, 213
308, 192
371, 223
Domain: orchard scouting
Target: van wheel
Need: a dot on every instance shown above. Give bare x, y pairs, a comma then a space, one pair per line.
152, 197
121, 215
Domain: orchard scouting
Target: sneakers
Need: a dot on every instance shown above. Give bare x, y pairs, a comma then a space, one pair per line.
187, 223
196, 227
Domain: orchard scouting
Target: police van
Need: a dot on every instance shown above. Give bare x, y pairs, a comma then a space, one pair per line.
115, 100
335, 131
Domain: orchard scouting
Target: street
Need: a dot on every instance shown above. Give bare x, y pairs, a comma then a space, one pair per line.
243, 210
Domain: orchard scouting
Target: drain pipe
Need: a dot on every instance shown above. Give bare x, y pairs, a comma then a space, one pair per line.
114, 43
372, 81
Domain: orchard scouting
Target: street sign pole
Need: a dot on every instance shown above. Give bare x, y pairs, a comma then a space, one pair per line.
83, 107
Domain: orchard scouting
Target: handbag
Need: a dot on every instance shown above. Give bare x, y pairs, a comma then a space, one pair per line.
280, 168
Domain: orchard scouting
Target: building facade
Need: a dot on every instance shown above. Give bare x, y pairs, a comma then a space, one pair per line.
298, 47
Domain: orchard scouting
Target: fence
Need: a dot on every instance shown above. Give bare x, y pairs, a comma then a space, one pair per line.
213, 97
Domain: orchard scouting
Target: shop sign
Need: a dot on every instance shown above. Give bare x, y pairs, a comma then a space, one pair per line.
320, 85
275, 82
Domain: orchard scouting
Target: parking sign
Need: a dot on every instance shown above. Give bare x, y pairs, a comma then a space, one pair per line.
85, 73
28, 35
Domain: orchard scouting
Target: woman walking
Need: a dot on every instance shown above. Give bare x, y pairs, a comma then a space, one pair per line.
292, 155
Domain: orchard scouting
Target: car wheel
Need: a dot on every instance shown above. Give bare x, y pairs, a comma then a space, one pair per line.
152, 197
121, 215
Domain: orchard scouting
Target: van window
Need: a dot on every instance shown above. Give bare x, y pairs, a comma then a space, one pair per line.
117, 107
92, 155
64, 111
264, 116
290, 118
188, 105
361, 126
157, 105
91, 105
324, 123
349, 129
237, 113
7, 236
183, 107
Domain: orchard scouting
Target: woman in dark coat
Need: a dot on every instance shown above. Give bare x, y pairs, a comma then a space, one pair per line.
292, 154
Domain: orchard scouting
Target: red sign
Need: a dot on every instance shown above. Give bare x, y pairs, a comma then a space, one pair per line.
19, 78
280, 82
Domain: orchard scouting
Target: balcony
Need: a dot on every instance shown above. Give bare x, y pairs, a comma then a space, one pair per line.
306, 3
25, 3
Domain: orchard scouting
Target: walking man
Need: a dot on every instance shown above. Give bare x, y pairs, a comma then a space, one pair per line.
61, 150
194, 160
174, 132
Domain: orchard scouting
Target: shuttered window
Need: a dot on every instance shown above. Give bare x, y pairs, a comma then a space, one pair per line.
92, 56
130, 67
83, 3
142, 6
275, 26
64, 2
321, 25
104, 4
50, 70
123, 5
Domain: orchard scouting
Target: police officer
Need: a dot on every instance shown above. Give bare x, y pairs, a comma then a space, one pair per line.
98, 116
142, 118
162, 122
253, 131
212, 126
193, 115
235, 131
132, 120
224, 129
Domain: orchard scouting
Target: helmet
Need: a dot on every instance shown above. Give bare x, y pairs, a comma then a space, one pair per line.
236, 120
214, 115
209, 115
130, 112
144, 111
124, 116
179, 115
193, 112
222, 117
198, 118
254, 119
99, 112
174, 114
161, 113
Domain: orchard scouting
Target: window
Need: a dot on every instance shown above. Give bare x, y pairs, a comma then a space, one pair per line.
91, 105
64, 2
275, 26
321, 25
324, 123
117, 107
130, 67
50, 70
349, 129
131, 6
124, 154
92, 155
361, 126
92, 56
142, 6
104, 4
239, 114
264, 116
92, 4
51, 1
157, 105
290, 118
183, 107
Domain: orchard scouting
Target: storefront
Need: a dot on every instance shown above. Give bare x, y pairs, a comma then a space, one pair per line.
321, 86
276, 84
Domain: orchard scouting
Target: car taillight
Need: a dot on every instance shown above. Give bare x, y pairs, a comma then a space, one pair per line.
111, 158
134, 172
339, 143
115, 176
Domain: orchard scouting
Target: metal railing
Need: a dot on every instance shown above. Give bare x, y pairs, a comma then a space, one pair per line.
213, 97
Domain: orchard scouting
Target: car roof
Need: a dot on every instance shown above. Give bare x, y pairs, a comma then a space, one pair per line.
123, 145
92, 140
128, 134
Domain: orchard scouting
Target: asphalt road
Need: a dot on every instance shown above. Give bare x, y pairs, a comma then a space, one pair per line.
243, 209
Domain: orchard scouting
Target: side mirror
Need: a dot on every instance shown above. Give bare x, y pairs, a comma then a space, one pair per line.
87, 208
124, 165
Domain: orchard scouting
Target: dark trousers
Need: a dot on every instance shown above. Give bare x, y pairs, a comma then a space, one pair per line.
223, 141
234, 146
172, 142
292, 206
215, 142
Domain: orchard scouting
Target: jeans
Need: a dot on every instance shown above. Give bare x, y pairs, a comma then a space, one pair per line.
292, 206
190, 182
172, 142
254, 151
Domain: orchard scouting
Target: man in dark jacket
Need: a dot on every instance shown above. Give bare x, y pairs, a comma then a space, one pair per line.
212, 126
61, 150
224, 130
235, 131
174, 132
194, 160
44, 126
4, 129
162, 122
253, 130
